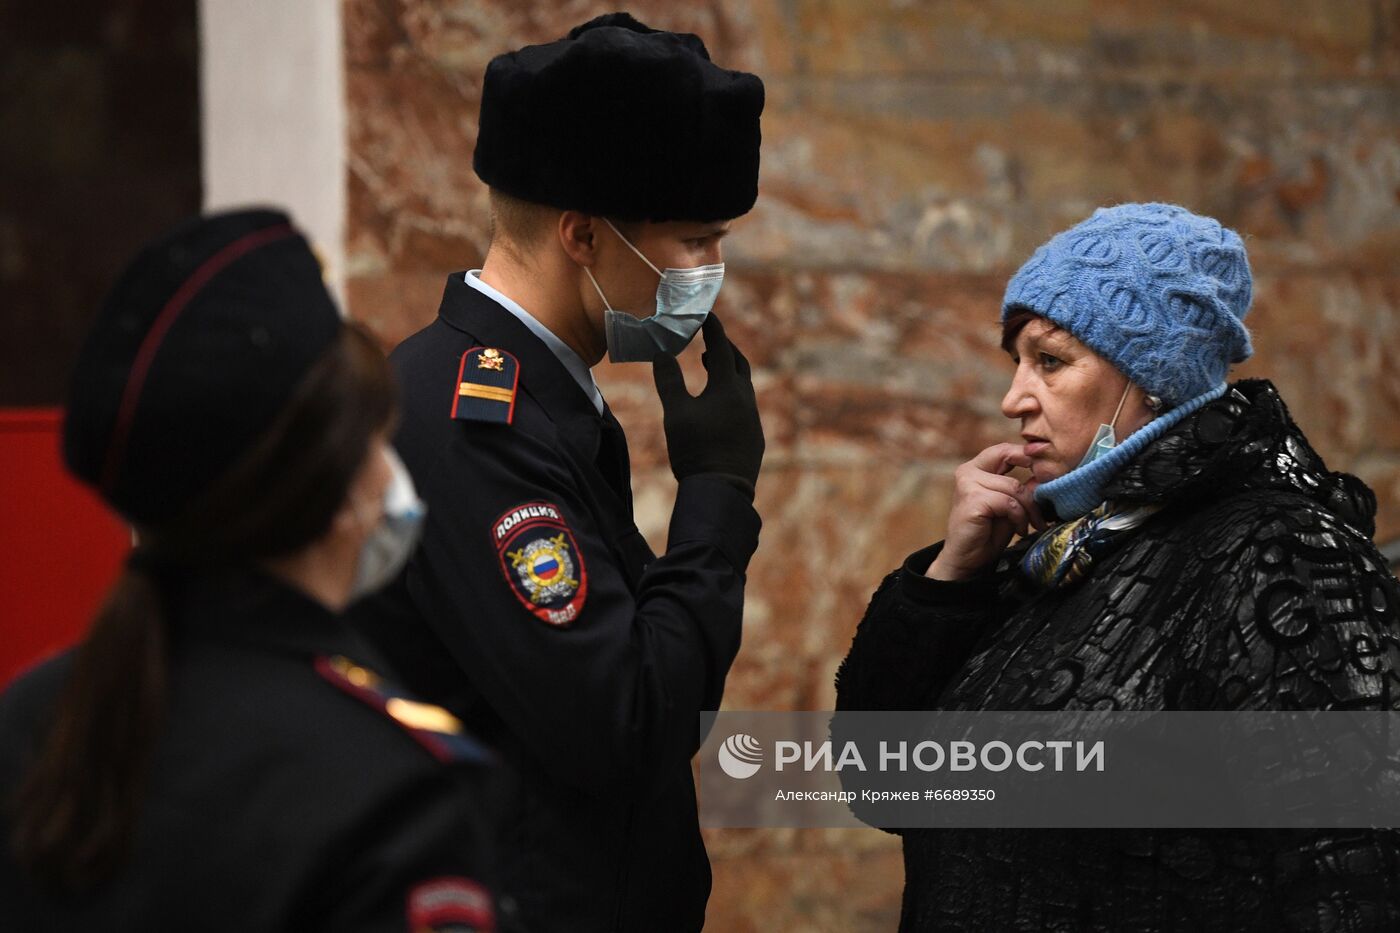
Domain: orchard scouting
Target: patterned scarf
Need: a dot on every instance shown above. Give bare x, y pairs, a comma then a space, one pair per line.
1063, 555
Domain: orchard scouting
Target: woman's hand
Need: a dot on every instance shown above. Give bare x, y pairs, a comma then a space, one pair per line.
988, 508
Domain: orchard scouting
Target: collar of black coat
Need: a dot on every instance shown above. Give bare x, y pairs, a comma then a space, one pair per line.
249, 607
1246, 439
542, 375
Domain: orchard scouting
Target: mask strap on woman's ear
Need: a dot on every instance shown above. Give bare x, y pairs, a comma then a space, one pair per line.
1113, 424
1105, 438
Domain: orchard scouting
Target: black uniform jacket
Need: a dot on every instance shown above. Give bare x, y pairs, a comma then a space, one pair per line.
283, 794
536, 609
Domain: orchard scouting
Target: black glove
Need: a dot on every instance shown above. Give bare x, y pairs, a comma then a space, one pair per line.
718, 431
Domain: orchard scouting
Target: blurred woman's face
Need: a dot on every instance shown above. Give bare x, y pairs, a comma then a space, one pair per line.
1061, 392
369, 485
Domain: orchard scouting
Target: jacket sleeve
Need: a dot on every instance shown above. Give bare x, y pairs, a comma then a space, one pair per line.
614, 693
915, 636
1312, 621
419, 861
913, 639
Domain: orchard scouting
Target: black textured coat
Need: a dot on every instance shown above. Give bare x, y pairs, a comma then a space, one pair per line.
281, 797
1256, 587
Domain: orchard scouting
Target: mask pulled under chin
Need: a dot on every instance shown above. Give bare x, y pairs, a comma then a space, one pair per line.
1104, 441
684, 298
393, 538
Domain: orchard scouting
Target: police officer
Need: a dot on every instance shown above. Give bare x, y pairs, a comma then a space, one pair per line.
215, 755
616, 158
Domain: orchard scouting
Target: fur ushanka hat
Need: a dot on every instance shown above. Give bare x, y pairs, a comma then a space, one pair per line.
622, 121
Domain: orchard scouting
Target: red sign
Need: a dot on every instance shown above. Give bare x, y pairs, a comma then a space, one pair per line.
60, 547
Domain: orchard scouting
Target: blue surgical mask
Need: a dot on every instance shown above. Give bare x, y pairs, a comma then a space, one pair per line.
684, 298
1104, 441
394, 535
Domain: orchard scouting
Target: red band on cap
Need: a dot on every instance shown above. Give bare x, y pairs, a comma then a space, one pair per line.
145, 355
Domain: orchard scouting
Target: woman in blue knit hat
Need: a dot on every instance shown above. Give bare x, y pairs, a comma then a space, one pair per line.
1176, 544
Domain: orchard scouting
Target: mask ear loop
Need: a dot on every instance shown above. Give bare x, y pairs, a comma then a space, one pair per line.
379, 510
1119, 411
631, 247
607, 304
357, 507
589, 273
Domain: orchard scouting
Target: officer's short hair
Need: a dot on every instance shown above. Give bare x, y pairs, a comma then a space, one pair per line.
518, 222
520, 225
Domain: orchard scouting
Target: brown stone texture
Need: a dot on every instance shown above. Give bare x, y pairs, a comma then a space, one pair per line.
914, 155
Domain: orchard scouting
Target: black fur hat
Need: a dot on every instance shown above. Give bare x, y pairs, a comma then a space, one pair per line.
198, 347
624, 121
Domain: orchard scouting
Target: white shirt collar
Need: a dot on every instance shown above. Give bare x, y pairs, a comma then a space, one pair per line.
571, 360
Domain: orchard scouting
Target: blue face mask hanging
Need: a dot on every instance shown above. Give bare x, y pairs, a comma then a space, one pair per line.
684, 298
1104, 441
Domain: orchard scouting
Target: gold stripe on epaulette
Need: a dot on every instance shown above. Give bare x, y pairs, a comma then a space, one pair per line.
417, 715
491, 393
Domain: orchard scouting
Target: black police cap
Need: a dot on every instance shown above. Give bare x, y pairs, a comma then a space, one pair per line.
621, 120
197, 348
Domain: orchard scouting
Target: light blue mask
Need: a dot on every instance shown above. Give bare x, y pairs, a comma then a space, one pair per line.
684, 298
1104, 441
394, 536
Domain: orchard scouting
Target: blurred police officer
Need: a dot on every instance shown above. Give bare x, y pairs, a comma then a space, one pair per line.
215, 755
616, 158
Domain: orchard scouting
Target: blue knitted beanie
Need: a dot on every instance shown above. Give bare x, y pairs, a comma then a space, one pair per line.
1156, 290
1160, 293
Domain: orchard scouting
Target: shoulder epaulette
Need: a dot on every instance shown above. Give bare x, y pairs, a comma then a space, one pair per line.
487, 380
437, 730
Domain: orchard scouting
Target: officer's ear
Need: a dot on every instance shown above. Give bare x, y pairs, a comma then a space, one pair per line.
578, 236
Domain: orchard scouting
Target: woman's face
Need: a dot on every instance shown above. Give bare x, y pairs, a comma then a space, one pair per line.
1061, 392
369, 485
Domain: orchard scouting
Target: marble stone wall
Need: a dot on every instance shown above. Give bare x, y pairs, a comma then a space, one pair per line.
914, 155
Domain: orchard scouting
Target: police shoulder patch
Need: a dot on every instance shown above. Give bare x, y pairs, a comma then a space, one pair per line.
450, 905
541, 561
434, 728
487, 380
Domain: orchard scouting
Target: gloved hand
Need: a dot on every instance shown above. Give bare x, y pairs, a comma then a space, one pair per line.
719, 430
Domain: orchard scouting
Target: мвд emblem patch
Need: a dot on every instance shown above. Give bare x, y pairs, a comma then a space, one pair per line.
541, 561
